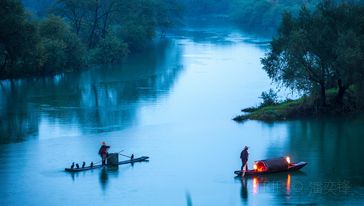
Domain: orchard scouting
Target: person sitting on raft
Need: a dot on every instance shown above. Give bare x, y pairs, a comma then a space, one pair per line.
103, 152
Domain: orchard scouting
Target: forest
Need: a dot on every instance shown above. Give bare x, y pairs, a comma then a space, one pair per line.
49, 37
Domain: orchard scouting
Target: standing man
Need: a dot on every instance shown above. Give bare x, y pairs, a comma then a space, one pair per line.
103, 152
244, 160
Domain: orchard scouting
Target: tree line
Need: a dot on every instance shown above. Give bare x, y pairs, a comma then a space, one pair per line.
252, 14
265, 15
320, 50
74, 33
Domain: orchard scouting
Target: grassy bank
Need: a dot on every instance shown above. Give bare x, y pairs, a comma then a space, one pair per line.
285, 110
300, 108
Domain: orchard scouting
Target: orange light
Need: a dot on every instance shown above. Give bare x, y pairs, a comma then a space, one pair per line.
255, 185
288, 160
288, 184
255, 167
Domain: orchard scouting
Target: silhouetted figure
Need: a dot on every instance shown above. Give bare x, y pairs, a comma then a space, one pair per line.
244, 160
103, 152
92, 164
77, 166
132, 157
83, 164
73, 165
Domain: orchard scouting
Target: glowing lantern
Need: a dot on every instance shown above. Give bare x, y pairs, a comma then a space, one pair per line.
288, 160
255, 166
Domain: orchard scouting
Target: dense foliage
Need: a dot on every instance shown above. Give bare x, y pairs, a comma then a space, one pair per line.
19, 41
319, 50
265, 15
256, 14
67, 34
269, 98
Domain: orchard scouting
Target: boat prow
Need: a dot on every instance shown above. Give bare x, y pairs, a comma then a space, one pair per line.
297, 166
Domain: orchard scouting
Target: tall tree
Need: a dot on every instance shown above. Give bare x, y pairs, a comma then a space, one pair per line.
19, 42
62, 48
293, 60
73, 10
318, 49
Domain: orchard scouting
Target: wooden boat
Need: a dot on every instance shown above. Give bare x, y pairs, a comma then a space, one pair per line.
263, 167
130, 161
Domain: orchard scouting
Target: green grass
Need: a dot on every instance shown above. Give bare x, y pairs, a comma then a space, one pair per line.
302, 107
281, 111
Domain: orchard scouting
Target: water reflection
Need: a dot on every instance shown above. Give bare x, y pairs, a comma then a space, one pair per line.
105, 174
324, 143
278, 184
188, 199
331, 146
223, 34
97, 100
104, 178
244, 189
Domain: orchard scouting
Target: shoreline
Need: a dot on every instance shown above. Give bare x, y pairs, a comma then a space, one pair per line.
304, 107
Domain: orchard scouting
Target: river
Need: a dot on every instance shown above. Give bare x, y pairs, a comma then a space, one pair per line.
173, 103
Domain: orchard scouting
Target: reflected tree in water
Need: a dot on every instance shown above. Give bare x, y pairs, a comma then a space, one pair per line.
95, 100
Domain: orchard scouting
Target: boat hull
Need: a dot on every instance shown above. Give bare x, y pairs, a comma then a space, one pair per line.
130, 161
291, 167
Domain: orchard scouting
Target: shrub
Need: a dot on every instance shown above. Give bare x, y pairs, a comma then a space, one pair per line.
269, 98
110, 50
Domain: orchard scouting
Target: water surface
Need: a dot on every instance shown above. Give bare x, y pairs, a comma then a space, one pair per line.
173, 103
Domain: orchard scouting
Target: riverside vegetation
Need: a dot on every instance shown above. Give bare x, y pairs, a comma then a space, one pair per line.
53, 36
69, 34
319, 53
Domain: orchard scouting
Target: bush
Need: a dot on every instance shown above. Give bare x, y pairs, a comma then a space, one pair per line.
110, 50
137, 35
63, 50
269, 98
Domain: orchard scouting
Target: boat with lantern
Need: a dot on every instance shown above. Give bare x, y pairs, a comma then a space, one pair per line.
281, 164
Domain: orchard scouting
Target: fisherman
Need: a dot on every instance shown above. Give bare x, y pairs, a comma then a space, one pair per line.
244, 160
103, 152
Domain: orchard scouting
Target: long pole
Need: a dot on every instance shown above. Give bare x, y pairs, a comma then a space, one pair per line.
125, 155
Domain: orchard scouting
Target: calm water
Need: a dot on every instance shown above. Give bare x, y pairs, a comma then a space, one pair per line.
173, 103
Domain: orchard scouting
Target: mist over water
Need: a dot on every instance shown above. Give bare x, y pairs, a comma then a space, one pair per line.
173, 103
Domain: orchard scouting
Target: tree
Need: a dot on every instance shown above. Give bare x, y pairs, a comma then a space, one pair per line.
167, 14
293, 60
19, 41
318, 49
349, 48
90, 19
62, 48
269, 98
75, 11
110, 50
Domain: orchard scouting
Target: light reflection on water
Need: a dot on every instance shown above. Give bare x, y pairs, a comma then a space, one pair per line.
173, 103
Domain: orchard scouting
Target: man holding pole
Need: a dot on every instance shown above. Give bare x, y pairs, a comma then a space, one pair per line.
103, 151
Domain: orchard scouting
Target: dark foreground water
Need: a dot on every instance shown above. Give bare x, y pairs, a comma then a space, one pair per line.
173, 103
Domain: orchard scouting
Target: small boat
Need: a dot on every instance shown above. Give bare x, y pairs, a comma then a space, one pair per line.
130, 161
282, 164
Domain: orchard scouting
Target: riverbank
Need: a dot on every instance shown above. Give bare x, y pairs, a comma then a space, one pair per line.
303, 107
